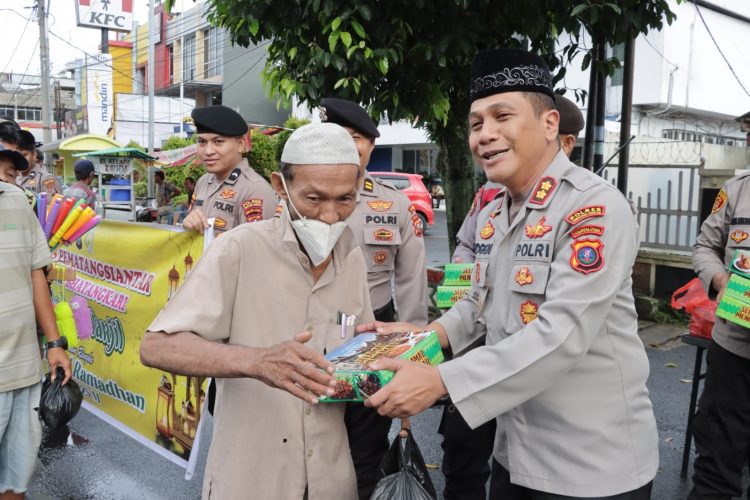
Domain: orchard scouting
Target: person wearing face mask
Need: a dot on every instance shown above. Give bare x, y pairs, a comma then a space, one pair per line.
231, 192
237, 318
390, 235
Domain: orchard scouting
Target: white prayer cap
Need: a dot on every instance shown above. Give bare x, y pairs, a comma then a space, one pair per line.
320, 143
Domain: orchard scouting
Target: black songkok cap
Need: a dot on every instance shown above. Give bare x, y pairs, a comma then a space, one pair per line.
347, 114
218, 120
571, 118
495, 71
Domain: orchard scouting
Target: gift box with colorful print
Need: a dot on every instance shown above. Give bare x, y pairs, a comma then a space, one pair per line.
458, 274
740, 263
735, 302
447, 296
356, 381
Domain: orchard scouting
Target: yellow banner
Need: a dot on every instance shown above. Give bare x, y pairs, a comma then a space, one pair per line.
125, 273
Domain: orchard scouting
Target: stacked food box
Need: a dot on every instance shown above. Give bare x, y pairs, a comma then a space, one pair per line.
456, 284
735, 303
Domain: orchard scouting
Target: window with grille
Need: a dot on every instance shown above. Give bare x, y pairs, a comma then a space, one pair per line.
188, 59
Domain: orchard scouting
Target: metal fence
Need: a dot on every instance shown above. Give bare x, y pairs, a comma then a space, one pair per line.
666, 197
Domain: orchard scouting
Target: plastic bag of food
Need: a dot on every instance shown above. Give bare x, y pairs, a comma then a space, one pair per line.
404, 473
59, 403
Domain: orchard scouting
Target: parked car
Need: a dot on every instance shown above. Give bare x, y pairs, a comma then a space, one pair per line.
413, 187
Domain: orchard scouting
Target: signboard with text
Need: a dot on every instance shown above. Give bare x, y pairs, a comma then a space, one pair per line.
116, 15
112, 165
99, 93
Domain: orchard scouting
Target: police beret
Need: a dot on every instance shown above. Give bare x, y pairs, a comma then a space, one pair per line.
495, 71
571, 118
347, 114
19, 160
218, 120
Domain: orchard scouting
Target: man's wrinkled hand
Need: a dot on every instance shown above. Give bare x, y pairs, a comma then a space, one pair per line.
414, 388
297, 369
196, 221
385, 328
58, 357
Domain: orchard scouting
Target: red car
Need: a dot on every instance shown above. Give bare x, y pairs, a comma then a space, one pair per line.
413, 187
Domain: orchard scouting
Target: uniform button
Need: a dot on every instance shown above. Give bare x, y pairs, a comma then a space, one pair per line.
304, 260
309, 453
308, 411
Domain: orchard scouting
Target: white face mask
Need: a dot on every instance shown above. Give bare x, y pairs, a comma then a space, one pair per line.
316, 236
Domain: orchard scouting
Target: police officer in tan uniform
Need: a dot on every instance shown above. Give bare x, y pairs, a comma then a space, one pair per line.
563, 369
390, 234
571, 124
230, 191
722, 425
36, 179
466, 452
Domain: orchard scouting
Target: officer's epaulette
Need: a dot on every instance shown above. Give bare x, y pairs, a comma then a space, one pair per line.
31, 175
234, 176
368, 187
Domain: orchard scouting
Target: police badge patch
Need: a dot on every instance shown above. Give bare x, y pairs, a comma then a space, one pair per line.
719, 202
587, 255
529, 312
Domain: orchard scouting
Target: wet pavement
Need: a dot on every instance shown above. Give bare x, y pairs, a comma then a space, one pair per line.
98, 462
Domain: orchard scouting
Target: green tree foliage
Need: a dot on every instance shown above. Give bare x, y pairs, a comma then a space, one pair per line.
177, 175
411, 60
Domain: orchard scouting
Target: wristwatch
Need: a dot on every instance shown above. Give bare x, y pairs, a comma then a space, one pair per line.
61, 342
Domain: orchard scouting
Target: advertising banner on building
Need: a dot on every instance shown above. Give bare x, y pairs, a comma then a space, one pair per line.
99, 93
124, 274
116, 15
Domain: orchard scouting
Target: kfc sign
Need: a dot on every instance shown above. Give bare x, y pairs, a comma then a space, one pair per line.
116, 15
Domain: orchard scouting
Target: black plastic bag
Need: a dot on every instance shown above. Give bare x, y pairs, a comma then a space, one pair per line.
404, 473
59, 403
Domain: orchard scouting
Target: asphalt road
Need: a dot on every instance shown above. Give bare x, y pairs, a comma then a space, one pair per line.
99, 462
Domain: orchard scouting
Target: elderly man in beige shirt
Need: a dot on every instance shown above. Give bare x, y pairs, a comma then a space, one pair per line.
237, 318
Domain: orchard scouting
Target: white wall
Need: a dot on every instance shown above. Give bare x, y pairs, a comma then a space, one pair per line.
131, 117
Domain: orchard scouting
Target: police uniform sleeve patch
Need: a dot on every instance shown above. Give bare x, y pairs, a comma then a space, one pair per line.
587, 256
584, 213
588, 230
543, 190
253, 209
529, 312
418, 226
719, 202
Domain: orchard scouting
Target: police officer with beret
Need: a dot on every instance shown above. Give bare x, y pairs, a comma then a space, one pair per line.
563, 369
36, 179
230, 191
390, 234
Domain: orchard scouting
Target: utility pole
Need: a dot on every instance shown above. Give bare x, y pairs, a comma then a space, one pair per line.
625, 113
151, 28
105, 41
182, 88
44, 56
58, 109
601, 99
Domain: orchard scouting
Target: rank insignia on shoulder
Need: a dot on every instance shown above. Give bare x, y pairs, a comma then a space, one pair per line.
524, 276
584, 213
738, 236
383, 234
227, 194
32, 175
529, 312
233, 176
587, 255
543, 190
368, 185
539, 229
380, 205
380, 257
487, 231
220, 223
588, 230
719, 202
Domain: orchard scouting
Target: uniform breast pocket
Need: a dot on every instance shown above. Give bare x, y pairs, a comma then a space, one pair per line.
529, 278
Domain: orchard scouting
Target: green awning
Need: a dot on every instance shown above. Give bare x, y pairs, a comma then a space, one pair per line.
121, 152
